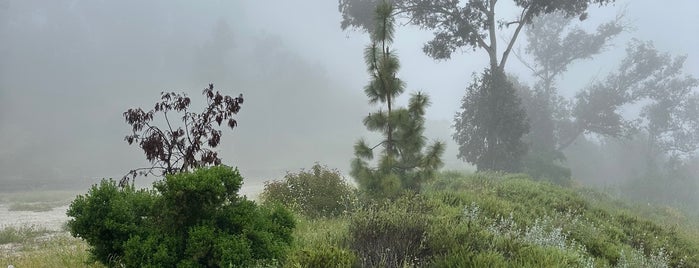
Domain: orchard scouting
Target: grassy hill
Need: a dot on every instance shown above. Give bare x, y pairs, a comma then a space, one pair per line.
476, 220
500, 220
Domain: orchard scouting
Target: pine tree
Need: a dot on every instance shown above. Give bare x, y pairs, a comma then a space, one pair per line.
402, 164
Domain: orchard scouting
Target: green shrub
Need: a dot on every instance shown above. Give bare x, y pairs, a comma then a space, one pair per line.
319, 192
108, 216
12, 234
470, 259
547, 167
323, 257
194, 219
393, 234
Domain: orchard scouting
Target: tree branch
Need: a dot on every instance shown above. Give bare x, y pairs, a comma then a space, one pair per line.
529, 66
514, 38
382, 142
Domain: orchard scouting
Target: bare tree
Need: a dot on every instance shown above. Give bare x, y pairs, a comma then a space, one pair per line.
171, 149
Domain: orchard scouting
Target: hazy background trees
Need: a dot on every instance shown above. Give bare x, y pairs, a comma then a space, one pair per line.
490, 127
639, 119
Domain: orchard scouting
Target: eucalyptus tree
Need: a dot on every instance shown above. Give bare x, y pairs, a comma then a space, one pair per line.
404, 162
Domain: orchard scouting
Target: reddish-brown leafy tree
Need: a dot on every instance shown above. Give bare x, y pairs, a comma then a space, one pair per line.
171, 149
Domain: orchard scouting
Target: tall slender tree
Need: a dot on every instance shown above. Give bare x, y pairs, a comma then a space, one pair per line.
402, 163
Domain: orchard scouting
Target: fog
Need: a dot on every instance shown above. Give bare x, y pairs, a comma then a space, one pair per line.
69, 69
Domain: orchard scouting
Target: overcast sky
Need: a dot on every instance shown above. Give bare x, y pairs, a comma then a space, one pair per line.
69, 69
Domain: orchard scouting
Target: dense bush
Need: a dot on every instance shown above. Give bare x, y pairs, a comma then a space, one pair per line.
108, 216
323, 257
314, 193
547, 167
192, 220
392, 234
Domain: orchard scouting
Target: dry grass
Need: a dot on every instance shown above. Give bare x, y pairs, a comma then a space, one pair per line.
20, 235
55, 250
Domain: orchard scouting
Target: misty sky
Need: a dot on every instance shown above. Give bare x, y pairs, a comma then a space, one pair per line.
69, 69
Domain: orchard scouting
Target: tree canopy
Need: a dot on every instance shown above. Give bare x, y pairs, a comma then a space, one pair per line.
490, 124
458, 24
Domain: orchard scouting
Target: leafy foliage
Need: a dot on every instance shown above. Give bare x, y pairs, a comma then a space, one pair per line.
319, 192
402, 164
185, 147
107, 216
491, 123
325, 257
391, 234
547, 167
192, 219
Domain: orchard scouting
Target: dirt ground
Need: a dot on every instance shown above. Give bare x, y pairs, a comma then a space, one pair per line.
52, 220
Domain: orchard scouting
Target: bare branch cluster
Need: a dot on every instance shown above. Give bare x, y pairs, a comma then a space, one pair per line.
180, 148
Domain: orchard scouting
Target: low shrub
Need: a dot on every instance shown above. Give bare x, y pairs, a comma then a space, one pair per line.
323, 257
547, 167
512, 221
107, 216
191, 219
12, 234
392, 234
318, 192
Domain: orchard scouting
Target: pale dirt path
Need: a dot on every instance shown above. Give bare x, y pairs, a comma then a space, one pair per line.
52, 220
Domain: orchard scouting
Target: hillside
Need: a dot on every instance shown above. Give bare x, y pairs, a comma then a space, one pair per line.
499, 220
476, 220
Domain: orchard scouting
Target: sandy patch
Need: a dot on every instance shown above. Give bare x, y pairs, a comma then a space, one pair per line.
52, 220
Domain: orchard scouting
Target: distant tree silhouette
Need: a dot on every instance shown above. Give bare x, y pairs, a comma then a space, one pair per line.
172, 149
